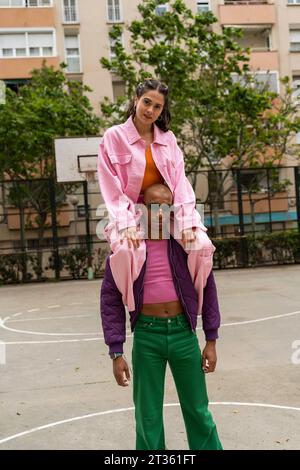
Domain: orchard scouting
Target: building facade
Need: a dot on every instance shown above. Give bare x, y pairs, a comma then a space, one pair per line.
76, 32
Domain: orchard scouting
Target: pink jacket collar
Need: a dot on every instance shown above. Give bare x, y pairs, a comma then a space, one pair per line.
160, 137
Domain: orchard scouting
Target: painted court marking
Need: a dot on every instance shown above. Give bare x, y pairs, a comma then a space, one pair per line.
4, 326
47, 318
122, 410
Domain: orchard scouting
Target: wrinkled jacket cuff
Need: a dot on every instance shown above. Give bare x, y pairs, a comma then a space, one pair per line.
210, 335
116, 348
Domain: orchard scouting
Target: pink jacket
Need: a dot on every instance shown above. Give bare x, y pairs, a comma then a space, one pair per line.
121, 168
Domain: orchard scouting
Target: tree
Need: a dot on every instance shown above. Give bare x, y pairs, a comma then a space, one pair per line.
264, 183
222, 116
48, 106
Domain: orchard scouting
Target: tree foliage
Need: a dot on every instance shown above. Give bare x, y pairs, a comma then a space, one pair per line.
48, 106
218, 107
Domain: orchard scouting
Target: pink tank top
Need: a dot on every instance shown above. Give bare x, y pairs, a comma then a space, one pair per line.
158, 282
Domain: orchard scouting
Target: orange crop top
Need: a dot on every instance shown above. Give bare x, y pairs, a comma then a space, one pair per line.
152, 174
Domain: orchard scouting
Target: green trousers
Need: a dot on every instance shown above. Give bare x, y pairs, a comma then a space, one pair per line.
158, 341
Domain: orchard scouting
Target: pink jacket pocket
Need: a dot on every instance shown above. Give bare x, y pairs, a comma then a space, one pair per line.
120, 159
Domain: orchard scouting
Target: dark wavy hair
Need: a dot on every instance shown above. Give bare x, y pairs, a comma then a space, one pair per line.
150, 84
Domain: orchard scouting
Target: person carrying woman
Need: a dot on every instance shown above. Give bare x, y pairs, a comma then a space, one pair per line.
132, 156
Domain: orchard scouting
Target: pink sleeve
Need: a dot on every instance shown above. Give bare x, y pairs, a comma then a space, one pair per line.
184, 197
119, 205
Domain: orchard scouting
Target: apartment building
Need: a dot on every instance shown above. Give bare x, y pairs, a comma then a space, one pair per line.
77, 32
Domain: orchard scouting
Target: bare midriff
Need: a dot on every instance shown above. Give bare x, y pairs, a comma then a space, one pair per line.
163, 310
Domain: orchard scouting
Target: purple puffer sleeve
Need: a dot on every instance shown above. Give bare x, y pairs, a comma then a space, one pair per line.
211, 317
113, 314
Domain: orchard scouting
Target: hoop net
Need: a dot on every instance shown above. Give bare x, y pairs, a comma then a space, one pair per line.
90, 176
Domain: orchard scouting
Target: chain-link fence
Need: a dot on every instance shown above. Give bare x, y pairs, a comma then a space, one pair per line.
48, 230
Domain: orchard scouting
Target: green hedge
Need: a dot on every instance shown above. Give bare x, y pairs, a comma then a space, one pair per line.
266, 249
247, 251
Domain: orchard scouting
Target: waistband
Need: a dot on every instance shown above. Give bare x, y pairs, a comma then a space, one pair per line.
180, 318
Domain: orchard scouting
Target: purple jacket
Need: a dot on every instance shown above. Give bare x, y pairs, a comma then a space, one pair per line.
113, 310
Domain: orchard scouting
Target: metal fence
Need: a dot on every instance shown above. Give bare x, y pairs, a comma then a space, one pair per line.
48, 230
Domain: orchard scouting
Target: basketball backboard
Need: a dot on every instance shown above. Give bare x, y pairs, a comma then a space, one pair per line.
76, 158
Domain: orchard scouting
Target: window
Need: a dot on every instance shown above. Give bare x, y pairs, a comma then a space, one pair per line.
112, 43
293, 2
161, 9
27, 44
203, 6
72, 53
295, 40
256, 37
40, 44
25, 3
11, 3
38, 3
114, 11
118, 89
7, 52
70, 11
265, 79
269, 80
16, 84
296, 82
81, 211
296, 87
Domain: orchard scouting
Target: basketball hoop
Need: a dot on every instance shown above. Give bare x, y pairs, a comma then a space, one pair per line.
76, 158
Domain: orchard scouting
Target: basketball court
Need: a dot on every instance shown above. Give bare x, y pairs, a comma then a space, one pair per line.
58, 391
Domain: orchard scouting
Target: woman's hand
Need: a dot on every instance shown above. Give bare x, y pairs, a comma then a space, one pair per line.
132, 236
188, 236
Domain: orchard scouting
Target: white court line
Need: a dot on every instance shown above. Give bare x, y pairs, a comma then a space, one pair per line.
33, 310
121, 410
48, 318
127, 336
56, 341
53, 306
17, 314
2, 324
261, 319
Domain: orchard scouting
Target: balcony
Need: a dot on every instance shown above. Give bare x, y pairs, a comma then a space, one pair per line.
27, 17
21, 67
241, 12
264, 60
245, 2
13, 218
258, 39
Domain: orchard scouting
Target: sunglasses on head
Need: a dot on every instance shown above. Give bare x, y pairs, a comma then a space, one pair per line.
162, 86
